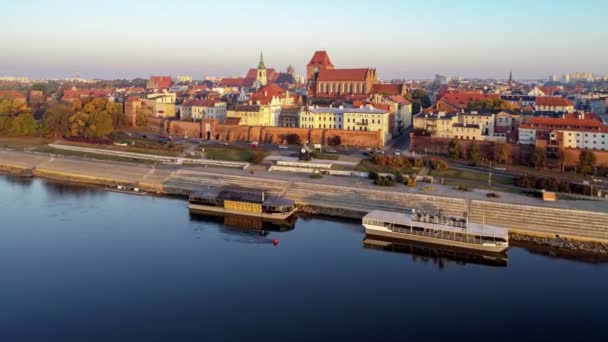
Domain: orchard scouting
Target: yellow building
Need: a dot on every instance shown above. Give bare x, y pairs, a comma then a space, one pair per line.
353, 119
255, 115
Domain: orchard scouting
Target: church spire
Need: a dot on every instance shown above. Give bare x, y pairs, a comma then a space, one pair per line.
261, 65
510, 76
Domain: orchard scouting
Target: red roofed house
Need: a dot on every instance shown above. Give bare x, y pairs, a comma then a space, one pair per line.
70, 95
159, 82
328, 81
389, 89
17, 97
556, 104
579, 130
232, 82
274, 94
456, 101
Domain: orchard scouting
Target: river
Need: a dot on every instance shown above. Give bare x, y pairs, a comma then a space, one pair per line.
79, 263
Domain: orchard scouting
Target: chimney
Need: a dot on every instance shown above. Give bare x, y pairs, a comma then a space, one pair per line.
341, 107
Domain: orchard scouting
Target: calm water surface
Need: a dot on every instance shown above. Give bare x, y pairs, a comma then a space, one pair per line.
83, 264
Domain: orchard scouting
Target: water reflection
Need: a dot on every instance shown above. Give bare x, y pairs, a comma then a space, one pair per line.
17, 181
562, 253
245, 229
439, 255
56, 189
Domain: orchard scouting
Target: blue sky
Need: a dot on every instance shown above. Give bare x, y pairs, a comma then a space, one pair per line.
402, 39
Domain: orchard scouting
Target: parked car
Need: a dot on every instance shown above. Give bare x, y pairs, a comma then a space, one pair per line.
330, 150
397, 152
254, 144
283, 147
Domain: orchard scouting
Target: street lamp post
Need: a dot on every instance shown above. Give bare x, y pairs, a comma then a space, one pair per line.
490, 175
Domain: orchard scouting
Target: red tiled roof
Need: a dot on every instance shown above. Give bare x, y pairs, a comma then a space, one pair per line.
400, 99
252, 75
78, 93
12, 93
447, 90
343, 75
320, 58
265, 94
571, 123
232, 82
462, 99
556, 101
382, 106
162, 82
389, 88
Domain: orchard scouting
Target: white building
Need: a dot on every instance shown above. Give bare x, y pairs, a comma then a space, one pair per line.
204, 109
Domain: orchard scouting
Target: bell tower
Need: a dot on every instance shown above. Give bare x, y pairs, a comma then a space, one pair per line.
261, 77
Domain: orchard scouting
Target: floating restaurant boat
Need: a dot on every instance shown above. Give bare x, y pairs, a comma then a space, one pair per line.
436, 229
244, 203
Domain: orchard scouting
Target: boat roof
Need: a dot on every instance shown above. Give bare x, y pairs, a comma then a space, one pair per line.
406, 219
277, 201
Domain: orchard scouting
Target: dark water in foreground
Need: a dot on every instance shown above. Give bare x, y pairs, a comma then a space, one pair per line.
83, 264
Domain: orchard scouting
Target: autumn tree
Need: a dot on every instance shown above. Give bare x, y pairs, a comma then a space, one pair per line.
502, 153
539, 158
454, 148
55, 121
95, 118
474, 152
586, 161
23, 125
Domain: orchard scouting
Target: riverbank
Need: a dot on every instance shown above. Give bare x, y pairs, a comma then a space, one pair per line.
544, 225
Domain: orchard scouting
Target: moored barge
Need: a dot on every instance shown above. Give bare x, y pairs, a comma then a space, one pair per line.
239, 202
436, 229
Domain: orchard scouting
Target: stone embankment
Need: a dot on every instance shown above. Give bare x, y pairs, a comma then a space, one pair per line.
559, 227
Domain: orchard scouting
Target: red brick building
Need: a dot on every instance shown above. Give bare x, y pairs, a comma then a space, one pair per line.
325, 80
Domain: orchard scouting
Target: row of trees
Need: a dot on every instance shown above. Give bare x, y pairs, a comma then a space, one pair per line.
89, 118
587, 160
500, 154
551, 184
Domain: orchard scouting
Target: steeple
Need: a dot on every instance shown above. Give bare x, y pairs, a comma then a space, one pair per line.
510, 76
261, 65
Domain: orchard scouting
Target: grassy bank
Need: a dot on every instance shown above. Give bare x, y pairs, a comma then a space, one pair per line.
237, 154
368, 165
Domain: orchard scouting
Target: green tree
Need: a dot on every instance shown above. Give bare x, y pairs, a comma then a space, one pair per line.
586, 161
6, 122
502, 153
419, 99
40, 87
55, 121
489, 104
23, 125
474, 152
454, 148
539, 158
